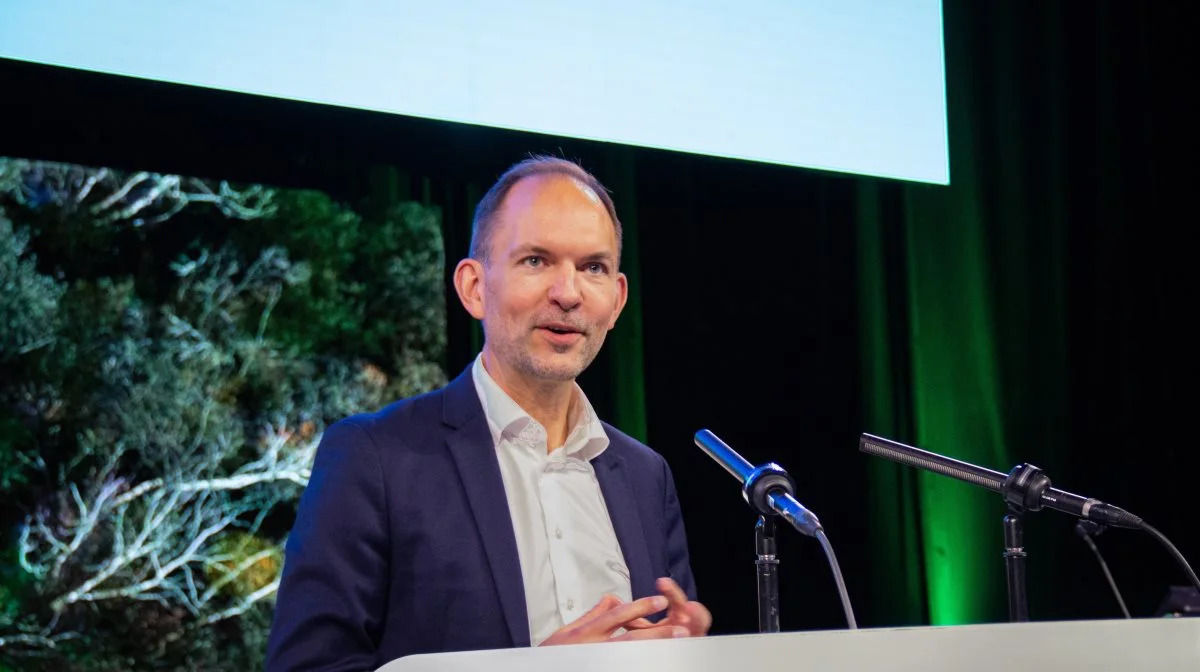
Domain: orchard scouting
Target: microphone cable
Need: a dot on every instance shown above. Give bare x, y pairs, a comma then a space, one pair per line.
1087, 529
1162, 538
837, 577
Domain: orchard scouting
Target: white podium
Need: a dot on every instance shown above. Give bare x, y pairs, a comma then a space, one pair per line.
1121, 645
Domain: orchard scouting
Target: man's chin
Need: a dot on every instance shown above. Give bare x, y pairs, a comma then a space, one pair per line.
559, 373
558, 367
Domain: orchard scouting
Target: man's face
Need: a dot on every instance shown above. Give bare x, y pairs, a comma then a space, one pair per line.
551, 290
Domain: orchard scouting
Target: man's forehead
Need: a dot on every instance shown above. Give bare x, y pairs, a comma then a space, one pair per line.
555, 201
542, 199
539, 187
588, 192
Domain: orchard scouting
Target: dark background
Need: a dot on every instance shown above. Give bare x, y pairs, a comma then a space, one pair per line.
1068, 134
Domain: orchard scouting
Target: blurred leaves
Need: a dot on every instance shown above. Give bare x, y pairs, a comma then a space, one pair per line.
171, 350
363, 288
28, 300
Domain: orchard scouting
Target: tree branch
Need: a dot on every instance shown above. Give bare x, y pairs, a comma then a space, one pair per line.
155, 534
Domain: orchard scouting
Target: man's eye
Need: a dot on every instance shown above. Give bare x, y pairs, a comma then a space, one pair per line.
533, 261
597, 267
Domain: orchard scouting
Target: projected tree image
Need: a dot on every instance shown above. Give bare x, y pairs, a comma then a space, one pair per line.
171, 349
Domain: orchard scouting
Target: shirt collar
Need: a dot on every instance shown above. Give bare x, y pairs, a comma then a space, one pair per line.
506, 418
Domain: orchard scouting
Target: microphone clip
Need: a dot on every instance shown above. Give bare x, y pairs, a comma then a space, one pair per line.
764, 480
1024, 487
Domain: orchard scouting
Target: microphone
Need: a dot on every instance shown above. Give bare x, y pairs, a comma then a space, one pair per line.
1025, 488
768, 489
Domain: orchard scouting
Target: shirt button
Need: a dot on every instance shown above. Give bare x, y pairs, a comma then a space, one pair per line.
570, 605
558, 532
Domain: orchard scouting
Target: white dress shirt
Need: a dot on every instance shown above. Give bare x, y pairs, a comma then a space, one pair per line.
570, 557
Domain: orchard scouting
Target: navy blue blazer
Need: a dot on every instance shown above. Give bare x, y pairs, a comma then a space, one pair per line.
403, 542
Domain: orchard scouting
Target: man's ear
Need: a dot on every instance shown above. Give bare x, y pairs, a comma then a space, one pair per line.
622, 297
468, 282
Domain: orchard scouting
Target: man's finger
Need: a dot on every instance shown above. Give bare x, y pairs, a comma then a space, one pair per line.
674, 593
606, 603
679, 600
660, 632
641, 623
702, 617
618, 616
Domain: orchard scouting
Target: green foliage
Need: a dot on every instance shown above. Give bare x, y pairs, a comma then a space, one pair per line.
14, 586
366, 288
181, 386
28, 299
16, 446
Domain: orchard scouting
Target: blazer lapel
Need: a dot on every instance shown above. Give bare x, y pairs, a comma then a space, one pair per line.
622, 509
478, 467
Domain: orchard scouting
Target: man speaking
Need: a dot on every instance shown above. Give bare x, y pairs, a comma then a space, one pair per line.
498, 511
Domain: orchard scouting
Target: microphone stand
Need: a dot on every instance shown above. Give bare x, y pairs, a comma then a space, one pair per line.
760, 482
1014, 564
1022, 489
768, 574
1026, 488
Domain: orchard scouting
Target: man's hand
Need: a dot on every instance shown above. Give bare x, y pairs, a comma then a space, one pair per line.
682, 612
611, 614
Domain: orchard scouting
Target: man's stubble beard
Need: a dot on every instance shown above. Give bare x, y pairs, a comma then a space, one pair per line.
526, 362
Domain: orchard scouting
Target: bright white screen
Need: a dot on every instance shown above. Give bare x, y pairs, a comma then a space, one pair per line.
843, 85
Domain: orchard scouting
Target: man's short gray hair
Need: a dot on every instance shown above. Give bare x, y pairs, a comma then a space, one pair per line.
535, 166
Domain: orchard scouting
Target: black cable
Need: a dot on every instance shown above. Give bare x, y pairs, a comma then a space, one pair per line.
1086, 529
1174, 552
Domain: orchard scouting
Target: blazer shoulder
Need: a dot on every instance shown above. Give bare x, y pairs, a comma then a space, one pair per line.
405, 418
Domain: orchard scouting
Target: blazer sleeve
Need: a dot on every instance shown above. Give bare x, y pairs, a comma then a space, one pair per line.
331, 603
679, 563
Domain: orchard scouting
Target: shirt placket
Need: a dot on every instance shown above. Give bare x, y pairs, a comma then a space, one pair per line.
567, 581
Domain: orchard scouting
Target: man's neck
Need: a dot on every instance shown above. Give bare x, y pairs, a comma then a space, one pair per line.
550, 403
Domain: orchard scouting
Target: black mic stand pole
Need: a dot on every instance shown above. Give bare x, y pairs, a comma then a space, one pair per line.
768, 574
760, 482
1014, 564
1023, 489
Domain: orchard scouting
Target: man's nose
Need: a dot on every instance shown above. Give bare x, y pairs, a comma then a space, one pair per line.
565, 290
